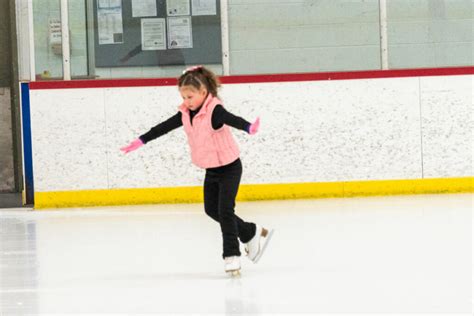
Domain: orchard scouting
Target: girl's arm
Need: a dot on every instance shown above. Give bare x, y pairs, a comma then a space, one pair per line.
162, 128
157, 131
221, 116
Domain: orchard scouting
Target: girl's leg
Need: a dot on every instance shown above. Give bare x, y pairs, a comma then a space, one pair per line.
246, 230
232, 225
211, 197
228, 187
214, 187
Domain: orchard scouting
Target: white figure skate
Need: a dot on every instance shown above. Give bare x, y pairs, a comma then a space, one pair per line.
232, 265
256, 246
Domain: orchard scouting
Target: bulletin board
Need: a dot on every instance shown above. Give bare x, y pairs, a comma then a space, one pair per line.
156, 32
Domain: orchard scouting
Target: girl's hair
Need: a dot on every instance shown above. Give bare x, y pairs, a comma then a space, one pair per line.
199, 76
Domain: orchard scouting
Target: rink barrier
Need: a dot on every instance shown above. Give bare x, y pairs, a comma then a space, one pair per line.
48, 197
266, 78
254, 192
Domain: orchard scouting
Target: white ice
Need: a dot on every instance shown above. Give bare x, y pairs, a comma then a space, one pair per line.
403, 254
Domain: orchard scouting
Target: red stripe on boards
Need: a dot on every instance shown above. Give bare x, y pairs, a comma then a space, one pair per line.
320, 76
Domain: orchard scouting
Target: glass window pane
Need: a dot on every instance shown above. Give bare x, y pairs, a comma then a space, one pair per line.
47, 34
140, 39
78, 39
430, 33
133, 39
282, 36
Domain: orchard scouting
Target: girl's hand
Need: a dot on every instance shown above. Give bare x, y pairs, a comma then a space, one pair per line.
137, 143
253, 129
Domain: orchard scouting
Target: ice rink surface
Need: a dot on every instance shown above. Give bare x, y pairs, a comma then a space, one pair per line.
403, 254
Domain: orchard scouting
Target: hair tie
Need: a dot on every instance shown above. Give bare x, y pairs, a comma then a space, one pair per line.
192, 68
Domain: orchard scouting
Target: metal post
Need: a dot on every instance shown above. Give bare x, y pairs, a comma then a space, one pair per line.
65, 40
16, 113
383, 33
90, 38
225, 37
31, 37
23, 44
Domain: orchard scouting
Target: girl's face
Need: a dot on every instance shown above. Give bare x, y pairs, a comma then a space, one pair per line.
193, 98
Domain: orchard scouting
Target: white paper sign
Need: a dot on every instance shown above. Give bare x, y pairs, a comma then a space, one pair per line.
55, 31
178, 7
180, 32
204, 7
109, 4
143, 8
109, 20
153, 34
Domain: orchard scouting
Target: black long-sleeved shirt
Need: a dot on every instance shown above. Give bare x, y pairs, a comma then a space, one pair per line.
220, 116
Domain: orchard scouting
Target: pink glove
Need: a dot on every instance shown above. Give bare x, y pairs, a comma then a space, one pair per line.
137, 143
254, 126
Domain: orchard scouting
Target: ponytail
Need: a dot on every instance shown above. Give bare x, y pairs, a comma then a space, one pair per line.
199, 76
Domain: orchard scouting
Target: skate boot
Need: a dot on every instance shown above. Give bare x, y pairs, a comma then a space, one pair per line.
256, 246
232, 265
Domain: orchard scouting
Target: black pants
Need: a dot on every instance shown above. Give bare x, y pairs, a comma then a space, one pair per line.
220, 189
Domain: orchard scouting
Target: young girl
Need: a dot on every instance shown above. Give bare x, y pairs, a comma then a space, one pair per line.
213, 148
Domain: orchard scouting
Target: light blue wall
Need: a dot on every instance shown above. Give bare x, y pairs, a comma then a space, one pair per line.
430, 33
283, 36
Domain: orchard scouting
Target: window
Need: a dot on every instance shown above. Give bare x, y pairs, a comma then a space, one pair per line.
303, 36
157, 38
47, 39
430, 33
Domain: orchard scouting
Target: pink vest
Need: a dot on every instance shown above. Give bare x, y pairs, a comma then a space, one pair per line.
209, 148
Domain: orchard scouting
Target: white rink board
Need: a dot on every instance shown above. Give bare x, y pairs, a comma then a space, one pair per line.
314, 131
447, 108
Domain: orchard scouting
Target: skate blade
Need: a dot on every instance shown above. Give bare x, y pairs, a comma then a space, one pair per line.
234, 273
265, 244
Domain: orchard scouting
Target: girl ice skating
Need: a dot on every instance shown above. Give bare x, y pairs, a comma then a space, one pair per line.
213, 148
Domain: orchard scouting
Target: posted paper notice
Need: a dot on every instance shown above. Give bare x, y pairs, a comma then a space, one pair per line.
153, 34
204, 7
180, 33
142, 8
178, 7
109, 20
